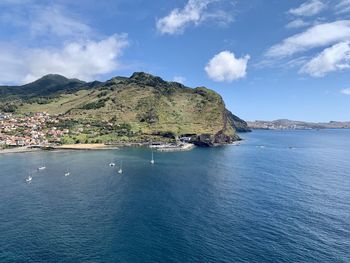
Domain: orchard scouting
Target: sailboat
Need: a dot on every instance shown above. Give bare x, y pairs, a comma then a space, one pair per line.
120, 171
43, 167
152, 160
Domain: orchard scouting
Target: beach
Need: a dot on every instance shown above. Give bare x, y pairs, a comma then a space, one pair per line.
93, 146
86, 146
19, 150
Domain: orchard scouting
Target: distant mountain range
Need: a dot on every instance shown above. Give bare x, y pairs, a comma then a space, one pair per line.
138, 108
285, 124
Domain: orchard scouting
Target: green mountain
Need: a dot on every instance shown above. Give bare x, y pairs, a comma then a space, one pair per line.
142, 107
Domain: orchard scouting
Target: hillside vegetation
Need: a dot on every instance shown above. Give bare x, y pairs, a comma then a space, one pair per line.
142, 107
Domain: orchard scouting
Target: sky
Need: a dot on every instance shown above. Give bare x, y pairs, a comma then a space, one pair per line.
268, 59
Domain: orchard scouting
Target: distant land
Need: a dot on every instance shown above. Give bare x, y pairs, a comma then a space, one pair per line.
284, 124
141, 108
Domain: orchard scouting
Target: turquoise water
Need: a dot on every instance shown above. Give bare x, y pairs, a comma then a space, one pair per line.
278, 197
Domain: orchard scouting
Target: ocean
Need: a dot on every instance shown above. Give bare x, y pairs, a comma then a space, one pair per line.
280, 196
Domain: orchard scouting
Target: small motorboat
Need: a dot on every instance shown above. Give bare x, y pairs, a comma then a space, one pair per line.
67, 174
29, 179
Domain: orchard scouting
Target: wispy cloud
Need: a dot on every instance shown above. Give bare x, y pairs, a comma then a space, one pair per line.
309, 8
226, 67
343, 6
332, 38
193, 13
44, 20
317, 36
56, 21
297, 23
330, 59
345, 91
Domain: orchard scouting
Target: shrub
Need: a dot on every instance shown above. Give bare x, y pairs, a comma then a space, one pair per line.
94, 105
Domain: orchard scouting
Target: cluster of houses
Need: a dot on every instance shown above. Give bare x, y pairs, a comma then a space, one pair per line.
29, 130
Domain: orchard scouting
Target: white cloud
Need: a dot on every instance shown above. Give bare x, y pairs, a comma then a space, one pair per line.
221, 17
345, 91
55, 40
297, 23
179, 79
317, 36
84, 60
309, 8
331, 59
194, 12
226, 67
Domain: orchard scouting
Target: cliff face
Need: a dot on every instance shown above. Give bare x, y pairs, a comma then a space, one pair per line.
147, 104
239, 124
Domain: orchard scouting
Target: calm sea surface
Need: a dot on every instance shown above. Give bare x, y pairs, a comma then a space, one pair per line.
278, 197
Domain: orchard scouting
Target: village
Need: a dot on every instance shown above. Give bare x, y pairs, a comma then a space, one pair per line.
45, 131
35, 130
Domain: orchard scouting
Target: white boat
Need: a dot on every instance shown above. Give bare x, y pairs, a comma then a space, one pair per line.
152, 160
120, 171
67, 174
41, 168
111, 164
29, 179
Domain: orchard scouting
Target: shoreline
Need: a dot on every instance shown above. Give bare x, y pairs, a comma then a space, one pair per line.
84, 147
93, 147
71, 147
177, 148
20, 150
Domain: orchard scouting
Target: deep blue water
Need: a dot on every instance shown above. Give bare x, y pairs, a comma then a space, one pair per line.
288, 201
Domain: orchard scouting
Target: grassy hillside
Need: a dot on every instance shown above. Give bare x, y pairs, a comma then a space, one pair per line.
136, 107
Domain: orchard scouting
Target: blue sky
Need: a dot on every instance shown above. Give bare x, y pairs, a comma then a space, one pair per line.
269, 59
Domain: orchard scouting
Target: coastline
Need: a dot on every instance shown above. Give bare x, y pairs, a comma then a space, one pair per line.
73, 147
19, 150
84, 147
177, 148
95, 146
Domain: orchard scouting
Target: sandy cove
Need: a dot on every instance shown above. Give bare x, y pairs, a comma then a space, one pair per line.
86, 146
60, 147
92, 146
